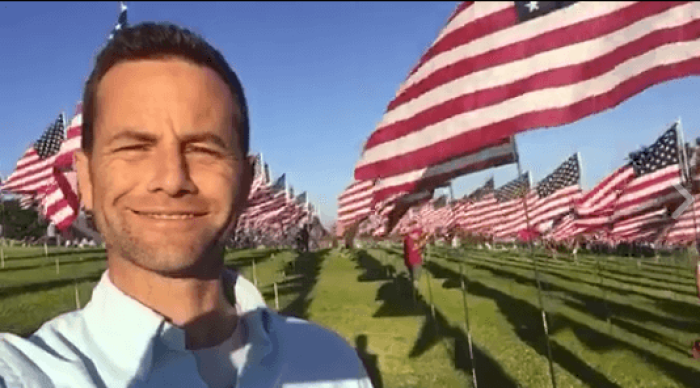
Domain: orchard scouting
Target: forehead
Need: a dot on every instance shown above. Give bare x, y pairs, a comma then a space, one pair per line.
152, 94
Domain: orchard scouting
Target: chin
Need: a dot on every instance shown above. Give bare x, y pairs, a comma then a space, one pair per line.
187, 259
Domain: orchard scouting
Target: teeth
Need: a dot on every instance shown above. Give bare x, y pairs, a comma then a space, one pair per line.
169, 216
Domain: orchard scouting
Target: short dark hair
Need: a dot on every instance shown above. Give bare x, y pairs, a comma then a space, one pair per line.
161, 41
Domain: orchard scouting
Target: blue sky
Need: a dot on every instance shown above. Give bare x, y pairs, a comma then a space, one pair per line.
318, 77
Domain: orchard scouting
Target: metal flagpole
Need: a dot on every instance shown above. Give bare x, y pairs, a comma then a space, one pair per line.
537, 276
689, 181
598, 265
465, 305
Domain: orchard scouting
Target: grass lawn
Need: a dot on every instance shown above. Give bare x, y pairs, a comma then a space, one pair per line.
612, 321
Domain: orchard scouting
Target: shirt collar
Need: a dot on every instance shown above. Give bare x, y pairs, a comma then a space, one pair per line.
127, 331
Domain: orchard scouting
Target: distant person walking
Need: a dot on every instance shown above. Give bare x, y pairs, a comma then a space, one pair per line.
413, 243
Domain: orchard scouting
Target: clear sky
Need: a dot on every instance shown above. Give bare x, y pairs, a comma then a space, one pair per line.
318, 77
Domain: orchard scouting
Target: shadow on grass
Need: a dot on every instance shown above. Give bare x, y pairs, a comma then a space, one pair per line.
397, 295
6, 292
681, 277
304, 275
659, 338
51, 263
369, 360
673, 307
241, 259
596, 304
527, 324
373, 269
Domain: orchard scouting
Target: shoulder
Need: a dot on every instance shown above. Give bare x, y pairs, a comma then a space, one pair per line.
315, 353
26, 361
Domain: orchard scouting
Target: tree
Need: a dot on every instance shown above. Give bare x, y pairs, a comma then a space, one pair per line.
20, 223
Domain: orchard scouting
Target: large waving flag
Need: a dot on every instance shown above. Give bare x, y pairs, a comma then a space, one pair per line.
500, 68
34, 170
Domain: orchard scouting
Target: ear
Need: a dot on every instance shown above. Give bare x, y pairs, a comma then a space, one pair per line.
82, 166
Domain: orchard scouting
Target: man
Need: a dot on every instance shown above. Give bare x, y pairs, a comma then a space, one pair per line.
164, 169
413, 244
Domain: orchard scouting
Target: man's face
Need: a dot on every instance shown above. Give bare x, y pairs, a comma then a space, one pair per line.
166, 178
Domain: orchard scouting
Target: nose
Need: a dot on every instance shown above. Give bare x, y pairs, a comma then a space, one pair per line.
171, 173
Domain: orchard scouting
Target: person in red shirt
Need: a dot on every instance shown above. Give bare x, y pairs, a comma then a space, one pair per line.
413, 243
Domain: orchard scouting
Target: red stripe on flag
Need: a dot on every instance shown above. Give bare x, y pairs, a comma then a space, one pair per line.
480, 137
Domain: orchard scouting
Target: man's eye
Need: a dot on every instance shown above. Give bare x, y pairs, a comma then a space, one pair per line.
203, 150
138, 147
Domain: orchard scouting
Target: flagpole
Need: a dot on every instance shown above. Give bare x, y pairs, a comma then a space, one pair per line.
465, 304
537, 277
689, 181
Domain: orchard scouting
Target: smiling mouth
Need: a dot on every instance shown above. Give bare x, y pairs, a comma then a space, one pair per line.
169, 216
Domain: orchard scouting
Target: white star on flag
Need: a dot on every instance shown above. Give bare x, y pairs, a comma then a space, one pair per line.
532, 6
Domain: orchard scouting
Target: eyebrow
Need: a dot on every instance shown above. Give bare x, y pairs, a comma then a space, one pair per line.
204, 137
133, 134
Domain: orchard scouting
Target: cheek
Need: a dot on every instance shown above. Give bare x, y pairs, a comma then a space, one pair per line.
112, 182
218, 187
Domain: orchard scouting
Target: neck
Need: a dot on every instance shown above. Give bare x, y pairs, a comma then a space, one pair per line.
198, 306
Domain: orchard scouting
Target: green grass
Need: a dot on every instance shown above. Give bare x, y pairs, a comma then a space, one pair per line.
645, 344
613, 321
355, 299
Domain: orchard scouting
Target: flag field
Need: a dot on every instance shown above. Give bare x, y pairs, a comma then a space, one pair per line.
614, 321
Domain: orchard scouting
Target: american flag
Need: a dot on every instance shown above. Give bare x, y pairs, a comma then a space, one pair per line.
684, 229
263, 197
595, 207
271, 205
500, 68
643, 208
564, 229
27, 201
656, 170
121, 20
643, 185
354, 203
489, 215
60, 203
301, 199
437, 175
478, 203
65, 156
479, 193
510, 214
647, 226
556, 193
35, 169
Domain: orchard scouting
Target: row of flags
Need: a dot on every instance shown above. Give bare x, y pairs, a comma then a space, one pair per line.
641, 201
272, 208
497, 69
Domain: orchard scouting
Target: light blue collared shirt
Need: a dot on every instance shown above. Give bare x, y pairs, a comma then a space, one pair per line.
115, 341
